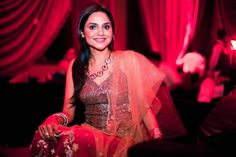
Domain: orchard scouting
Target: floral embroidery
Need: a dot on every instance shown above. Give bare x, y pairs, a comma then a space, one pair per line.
43, 146
68, 143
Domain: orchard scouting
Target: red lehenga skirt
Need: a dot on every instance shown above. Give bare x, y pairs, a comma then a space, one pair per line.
81, 141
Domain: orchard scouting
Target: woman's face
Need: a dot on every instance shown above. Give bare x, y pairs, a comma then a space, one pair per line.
98, 31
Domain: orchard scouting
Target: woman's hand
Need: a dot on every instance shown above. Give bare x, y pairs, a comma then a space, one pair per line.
50, 128
152, 125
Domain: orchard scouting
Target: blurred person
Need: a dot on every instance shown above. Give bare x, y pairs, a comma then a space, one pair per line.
221, 72
193, 62
191, 69
172, 78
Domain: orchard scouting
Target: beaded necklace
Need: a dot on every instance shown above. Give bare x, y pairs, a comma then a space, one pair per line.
100, 72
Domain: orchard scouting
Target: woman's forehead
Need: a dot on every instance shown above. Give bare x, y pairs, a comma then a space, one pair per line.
98, 17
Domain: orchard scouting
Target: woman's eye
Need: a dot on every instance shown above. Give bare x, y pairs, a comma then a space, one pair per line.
92, 27
107, 27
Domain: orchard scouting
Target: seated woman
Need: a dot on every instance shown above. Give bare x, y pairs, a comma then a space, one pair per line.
117, 89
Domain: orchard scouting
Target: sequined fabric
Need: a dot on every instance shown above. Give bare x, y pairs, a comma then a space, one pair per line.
98, 107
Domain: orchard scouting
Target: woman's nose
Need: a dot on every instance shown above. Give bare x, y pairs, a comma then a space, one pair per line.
100, 31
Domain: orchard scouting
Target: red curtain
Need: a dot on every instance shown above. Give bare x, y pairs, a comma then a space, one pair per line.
27, 30
224, 17
169, 25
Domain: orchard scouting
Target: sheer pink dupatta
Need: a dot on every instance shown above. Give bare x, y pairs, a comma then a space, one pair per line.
144, 80
147, 88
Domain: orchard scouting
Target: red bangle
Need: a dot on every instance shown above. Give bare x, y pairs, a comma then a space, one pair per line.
63, 116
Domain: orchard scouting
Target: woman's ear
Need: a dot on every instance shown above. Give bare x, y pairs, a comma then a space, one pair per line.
82, 34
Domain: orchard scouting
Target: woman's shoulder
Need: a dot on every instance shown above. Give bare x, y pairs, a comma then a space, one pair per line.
126, 52
70, 64
132, 57
129, 53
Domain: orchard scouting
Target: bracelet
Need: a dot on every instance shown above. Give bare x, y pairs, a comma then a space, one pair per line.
63, 116
156, 133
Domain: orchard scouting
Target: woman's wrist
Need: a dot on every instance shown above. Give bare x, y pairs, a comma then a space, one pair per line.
156, 133
63, 117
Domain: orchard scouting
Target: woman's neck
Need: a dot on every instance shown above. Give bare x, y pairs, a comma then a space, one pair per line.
98, 57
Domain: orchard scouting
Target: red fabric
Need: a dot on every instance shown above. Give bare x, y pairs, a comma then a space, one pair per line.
27, 30
224, 17
169, 25
29, 27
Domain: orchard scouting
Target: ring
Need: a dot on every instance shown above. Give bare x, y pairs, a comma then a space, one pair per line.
46, 134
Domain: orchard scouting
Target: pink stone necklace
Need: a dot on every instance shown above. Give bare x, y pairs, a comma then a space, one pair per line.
100, 72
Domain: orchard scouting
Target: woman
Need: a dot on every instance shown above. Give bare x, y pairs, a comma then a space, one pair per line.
118, 90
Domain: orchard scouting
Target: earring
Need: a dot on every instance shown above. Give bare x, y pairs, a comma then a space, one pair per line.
82, 34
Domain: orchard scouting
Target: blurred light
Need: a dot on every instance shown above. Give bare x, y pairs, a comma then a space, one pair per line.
233, 43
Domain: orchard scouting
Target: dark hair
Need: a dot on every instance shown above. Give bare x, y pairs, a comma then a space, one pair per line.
221, 33
80, 66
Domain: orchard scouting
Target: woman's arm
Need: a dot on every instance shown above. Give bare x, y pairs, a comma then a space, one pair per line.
152, 124
68, 108
51, 126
